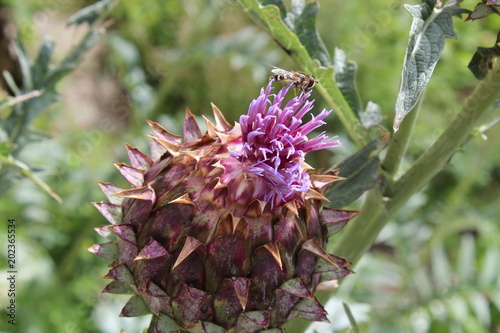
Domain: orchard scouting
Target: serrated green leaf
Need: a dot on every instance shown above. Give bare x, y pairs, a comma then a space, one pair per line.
484, 9
90, 14
270, 15
301, 19
42, 61
361, 173
345, 76
430, 27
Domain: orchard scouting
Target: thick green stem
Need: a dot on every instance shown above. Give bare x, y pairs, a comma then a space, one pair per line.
362, 231
360, 234
399, 143
436, 157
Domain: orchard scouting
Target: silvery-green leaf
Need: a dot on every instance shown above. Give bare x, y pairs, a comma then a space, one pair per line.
345, 75
25, 66
42, 62
90, 14
11, 83
301, 19
431, 25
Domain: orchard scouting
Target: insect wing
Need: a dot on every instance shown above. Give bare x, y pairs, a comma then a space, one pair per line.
281, 72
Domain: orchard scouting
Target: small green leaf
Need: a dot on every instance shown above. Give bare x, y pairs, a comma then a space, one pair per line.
301, 19
361, 171
482, 61
25, 65
345, 76
42, 62
11, 83
372, 116
431, 25
90, 14
270, 17
484, 9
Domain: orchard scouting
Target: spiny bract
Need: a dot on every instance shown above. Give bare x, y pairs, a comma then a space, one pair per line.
225, 231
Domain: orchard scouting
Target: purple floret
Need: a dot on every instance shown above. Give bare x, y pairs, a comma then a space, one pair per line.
275, 142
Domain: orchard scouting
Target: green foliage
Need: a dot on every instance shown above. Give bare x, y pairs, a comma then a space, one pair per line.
36, 93
311, 56
360, 171
430, 27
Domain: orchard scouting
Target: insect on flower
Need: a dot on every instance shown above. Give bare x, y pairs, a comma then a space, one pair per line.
300, 80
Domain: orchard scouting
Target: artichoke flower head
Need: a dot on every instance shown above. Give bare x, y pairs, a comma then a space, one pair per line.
225, 231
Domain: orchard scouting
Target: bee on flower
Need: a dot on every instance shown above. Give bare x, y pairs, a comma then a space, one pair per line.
298, 79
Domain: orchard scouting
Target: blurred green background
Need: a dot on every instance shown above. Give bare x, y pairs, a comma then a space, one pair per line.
435, 267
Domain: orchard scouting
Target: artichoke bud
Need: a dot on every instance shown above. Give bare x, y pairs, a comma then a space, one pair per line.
225, 231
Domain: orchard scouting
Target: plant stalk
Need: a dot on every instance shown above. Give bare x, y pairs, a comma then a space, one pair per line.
399, 143
437, 156
362, 231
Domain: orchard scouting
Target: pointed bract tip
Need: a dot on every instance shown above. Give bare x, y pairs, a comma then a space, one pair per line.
222, 124
164, 134
172, 148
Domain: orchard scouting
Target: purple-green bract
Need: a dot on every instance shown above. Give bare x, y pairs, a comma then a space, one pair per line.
225, 231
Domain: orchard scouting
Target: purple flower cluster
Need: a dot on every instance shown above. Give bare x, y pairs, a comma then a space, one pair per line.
275, 142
